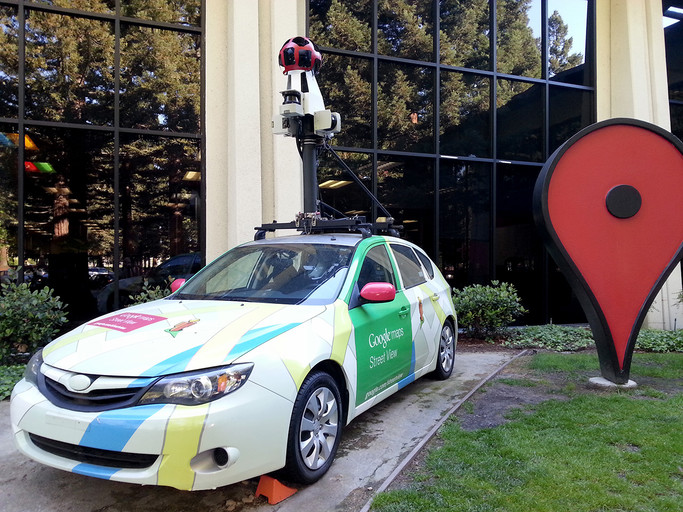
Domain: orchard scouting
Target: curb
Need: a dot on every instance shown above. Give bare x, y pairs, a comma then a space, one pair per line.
408, 458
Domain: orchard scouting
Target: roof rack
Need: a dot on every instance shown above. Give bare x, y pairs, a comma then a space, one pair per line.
308, 223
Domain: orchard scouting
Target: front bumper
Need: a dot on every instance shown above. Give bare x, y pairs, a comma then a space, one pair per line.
240, 436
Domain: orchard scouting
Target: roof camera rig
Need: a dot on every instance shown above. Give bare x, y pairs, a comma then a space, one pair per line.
303, 115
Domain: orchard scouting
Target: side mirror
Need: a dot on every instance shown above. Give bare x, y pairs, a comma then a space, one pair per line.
177, 283
378, 292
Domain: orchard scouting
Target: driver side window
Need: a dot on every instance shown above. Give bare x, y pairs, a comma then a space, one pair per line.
376, 268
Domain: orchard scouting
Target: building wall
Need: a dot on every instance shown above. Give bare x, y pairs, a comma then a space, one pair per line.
254, 176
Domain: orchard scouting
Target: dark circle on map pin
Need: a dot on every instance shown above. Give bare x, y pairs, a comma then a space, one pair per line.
623, 201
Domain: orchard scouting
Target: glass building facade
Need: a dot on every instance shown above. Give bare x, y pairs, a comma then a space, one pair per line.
449, 109
100, 144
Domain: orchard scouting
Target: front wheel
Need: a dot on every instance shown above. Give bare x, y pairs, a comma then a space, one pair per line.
314, 430
446, 356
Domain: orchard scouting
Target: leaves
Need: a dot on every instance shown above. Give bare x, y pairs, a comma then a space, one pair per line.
28, 320
484, 310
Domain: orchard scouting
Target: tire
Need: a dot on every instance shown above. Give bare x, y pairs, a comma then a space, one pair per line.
314, 430
445, 357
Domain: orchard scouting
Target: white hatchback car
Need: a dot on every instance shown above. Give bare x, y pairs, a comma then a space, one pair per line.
254, 365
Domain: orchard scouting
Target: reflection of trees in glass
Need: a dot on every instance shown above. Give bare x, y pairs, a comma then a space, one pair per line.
70, 77
560, 46
405, 108
341, 23
69, 69
160, 79
8, 205
9, 62
464, 38
405, 29
156, 198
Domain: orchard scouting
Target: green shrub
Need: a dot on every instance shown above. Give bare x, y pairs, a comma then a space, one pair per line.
651, 340
28, 320
148, 294
561, 338
9, 376
483, 311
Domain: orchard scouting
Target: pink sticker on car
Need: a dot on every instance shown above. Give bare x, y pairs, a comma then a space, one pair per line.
126, 322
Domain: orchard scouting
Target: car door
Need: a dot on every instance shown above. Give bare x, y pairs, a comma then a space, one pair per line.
382, 330
425, 327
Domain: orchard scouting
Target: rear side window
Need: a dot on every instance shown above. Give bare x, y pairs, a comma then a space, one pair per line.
426, 263
408, 265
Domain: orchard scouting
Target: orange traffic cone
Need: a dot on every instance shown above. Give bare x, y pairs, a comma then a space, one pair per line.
273, 490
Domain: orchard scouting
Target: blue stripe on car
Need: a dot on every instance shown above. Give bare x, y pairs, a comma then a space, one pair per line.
111, 430
256, 337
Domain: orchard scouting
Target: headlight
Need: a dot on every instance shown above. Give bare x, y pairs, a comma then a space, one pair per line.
194, 388
33, 367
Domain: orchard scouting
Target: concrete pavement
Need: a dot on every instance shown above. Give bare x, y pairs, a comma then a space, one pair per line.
372, 447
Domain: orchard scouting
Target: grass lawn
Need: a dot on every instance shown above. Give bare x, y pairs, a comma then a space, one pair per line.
576, 449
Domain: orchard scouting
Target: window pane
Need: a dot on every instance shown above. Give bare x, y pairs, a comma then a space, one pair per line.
465, 34
405, 187
677, 120
519, 26
160, 201
408, 265
376, 268
8, 204
405, 108
9, 64
341, 24
673, 39
406, 29
183, 12
160, 79
69, 69
519, 249
68, 227
464, 222
520, 121
567, 36
102, 6
346, 86
570, 111
337, 188
465, 115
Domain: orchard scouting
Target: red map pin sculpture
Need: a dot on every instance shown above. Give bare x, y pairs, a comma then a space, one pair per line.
609, 204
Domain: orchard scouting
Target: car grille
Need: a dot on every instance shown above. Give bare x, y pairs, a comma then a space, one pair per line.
95, 456
95, 401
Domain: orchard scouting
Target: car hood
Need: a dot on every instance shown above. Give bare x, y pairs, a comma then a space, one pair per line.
170, 336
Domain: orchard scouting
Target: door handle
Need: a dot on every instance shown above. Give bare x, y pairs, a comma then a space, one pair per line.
435, 297
403, 312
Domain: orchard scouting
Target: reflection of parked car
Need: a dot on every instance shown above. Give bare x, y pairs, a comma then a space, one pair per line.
99, 277
182, 266
255, 364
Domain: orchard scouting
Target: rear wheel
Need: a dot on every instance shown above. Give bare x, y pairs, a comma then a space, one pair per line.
446, 356
315, 429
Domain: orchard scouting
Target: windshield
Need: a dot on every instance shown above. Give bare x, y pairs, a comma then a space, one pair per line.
280, 273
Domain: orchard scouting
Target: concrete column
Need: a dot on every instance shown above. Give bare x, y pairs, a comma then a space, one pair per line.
632, 82
233, 127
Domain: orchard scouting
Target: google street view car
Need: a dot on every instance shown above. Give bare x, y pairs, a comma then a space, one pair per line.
253, 365
258, 361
